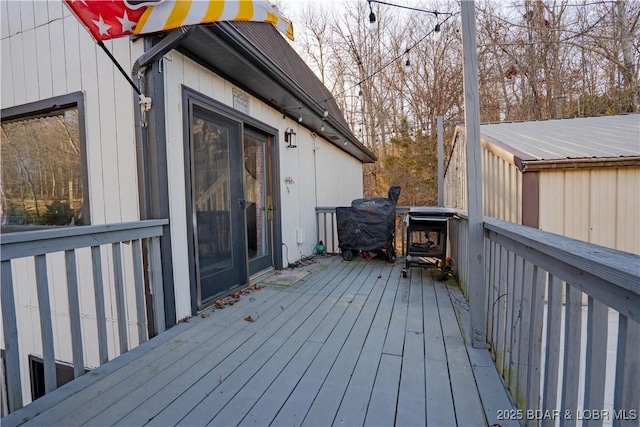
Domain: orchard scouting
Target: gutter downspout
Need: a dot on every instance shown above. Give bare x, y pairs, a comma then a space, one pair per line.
154, 53
152, 186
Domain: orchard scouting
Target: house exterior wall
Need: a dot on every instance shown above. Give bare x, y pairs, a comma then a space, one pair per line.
319, 169
595, 205
46, 53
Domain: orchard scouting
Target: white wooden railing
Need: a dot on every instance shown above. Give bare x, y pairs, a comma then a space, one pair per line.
554, 307
43, 250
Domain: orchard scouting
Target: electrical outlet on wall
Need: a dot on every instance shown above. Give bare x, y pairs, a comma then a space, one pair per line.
299, 236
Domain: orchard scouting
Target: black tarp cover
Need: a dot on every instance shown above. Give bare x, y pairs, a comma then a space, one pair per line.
369, 223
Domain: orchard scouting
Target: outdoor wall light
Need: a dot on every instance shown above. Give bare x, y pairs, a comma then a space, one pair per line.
289, 138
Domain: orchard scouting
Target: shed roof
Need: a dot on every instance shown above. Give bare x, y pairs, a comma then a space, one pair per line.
579, 138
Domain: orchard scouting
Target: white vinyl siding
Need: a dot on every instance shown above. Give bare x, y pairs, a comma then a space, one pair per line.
47, 53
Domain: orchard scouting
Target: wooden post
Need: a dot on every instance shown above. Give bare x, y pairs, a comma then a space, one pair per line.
101, 317
46, 328
75, 321
475, 252
440, 126
10, 330
155, 280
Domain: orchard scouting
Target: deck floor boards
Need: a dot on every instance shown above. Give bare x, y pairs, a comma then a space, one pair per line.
352, 343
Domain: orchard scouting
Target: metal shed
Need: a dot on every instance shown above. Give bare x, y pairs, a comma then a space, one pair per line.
576, 177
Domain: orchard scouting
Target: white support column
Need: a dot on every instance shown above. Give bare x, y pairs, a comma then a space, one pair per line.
440, 126
475, 252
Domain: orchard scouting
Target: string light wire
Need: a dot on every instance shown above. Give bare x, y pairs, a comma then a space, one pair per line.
448, 15
434, 12
393, 60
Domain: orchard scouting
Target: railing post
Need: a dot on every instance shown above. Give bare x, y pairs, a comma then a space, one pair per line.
46, 329
626, 391
136, 253
74, 313
477, 290
98, 289
155, 284
440, 127
10, 330
120, 297
333, 232
552, 349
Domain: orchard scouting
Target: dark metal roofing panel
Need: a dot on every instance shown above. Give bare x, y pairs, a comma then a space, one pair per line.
255, 57
585, 137
269, 41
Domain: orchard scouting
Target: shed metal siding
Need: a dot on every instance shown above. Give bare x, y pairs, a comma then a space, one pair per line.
599, 206
502, 183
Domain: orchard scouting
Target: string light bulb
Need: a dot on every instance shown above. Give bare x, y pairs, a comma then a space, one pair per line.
437, 34
300, 117
373, 23
407, 64
326, 113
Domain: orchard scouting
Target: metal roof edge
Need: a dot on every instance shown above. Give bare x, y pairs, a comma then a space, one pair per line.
285, 81
503, 151
581, 163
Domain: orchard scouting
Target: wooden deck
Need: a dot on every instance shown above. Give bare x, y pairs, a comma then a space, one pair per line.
353, 343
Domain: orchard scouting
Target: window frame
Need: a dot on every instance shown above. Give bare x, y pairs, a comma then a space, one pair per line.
43, 108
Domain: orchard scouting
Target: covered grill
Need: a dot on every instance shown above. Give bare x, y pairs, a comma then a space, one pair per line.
368, 225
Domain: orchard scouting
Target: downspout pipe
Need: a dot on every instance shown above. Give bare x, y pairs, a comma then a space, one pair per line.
151, 164
168, 43
154, 53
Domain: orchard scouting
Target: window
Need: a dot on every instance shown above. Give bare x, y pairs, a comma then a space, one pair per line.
43, 179
64, 374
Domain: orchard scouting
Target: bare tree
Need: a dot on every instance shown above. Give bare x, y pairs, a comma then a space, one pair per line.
538, 59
